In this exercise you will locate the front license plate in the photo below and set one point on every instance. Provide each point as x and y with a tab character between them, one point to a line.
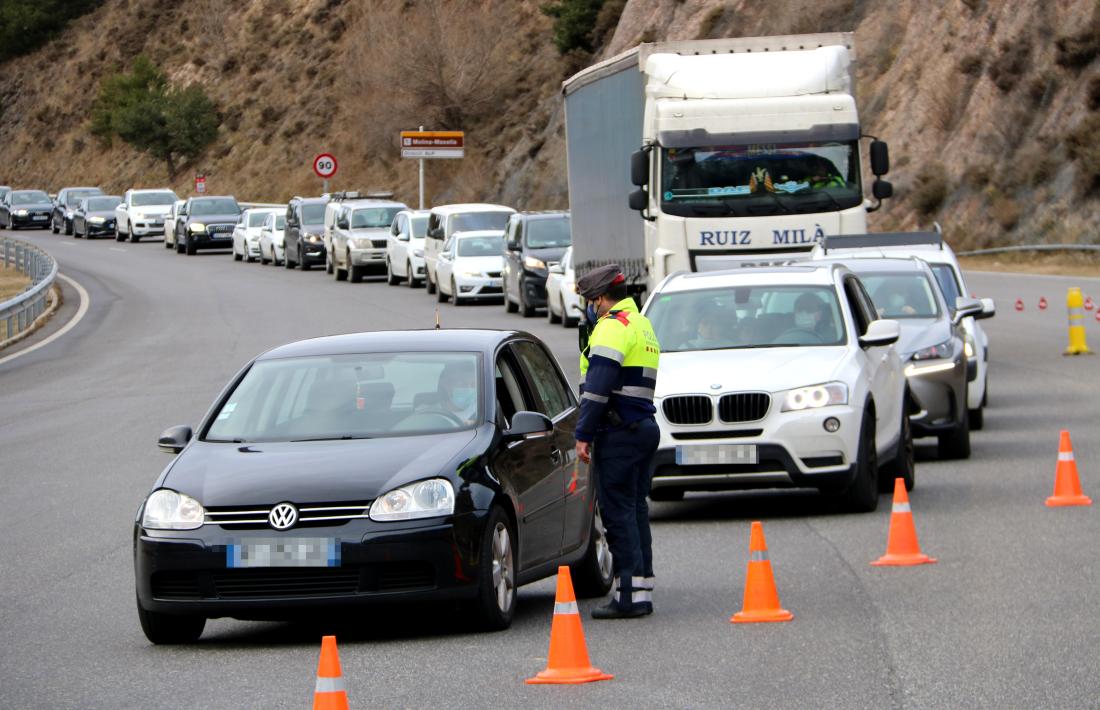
284	552
40	217
494	283
710	454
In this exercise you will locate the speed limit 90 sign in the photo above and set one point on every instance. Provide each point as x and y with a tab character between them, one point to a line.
324	165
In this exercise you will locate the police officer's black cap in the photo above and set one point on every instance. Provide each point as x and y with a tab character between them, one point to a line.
598	281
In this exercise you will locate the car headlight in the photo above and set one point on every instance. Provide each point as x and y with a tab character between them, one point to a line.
418	253
166	509
21	213
424	499
533	263
197	227
97	220
471	274
938	351
969	348
362	243
815	397
313	238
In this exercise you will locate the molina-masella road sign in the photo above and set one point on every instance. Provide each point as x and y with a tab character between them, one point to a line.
432	144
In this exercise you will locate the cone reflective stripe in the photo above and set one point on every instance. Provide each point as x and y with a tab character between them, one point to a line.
1077	343
761	602
1042	303
329	693
1019	304
568	661
902	548
1067	485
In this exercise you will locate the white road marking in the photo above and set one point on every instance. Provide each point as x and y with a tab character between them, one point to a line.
115	249
85	300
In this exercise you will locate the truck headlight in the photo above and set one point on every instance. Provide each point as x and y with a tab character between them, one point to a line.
815	397
424	499
166	509
533	263
197	227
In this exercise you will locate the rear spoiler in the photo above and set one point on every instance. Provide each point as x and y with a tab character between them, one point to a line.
881	239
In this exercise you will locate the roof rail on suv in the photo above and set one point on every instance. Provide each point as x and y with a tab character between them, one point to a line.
881	239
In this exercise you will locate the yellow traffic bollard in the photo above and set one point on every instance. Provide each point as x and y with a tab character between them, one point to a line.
1075	304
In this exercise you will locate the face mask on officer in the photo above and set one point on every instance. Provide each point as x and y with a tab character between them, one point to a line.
591	313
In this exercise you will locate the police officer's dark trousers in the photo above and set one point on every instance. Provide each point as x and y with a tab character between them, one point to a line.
623	460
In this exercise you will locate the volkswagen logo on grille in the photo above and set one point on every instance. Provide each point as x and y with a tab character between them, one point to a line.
283	516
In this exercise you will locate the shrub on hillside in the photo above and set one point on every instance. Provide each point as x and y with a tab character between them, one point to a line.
27	24
1010	64
574	21
1083	147
141	109
1078	50
930	189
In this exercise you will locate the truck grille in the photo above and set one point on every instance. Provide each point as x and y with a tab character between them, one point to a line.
743	406
310	515
688	409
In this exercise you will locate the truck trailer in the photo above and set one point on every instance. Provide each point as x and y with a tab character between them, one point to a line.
706	154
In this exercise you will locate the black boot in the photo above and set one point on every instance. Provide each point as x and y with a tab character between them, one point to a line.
611	610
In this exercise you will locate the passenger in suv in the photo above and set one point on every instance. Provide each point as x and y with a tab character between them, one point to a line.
304	242
533	242
206	223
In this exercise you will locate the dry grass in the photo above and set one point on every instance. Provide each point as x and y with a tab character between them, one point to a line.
12	282
1060	264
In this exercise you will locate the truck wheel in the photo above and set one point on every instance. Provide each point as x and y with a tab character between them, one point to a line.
956	443
861	495
496	575
903	465
170	628
593	574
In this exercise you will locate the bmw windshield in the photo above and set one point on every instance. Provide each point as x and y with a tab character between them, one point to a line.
747	317
359	396
749	180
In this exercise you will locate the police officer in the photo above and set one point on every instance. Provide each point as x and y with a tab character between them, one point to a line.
617	432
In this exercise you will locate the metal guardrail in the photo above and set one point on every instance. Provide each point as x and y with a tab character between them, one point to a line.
19	313
1032	247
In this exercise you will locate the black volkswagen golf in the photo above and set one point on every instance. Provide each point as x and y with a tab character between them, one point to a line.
414	466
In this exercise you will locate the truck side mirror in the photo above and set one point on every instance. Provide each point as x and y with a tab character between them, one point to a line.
639	168
882	189
880	157
639	200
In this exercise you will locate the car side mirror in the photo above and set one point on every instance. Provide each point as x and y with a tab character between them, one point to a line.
967	307
638	200
989	309
880	157
556	269
639	168
529	425
342	224
880	332
174	439
513	246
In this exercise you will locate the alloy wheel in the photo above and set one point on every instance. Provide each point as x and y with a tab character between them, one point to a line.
503	572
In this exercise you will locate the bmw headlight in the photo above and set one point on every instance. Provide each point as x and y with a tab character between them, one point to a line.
424	499
419	253
815	397
20	213
97	220
938	351
197	227
166	509
533	263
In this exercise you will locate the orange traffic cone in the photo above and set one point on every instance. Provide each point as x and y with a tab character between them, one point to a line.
761	599
330	693
1067	487
902	548
568	661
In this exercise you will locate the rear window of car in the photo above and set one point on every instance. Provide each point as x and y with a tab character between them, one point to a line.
150	199
371	395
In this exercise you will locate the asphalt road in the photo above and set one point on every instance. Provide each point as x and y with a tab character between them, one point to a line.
1009	617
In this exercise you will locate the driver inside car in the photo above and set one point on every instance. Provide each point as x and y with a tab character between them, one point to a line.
457	393
811	315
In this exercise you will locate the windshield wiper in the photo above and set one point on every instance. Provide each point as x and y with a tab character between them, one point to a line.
345	437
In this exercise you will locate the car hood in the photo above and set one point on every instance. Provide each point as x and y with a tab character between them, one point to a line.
160	210
917	333
213	218
100	213
369	233
547	254
310	472
755	369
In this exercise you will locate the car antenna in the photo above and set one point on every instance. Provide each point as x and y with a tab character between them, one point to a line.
437	317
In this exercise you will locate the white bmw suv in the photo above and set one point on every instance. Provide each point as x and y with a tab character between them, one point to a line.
778	377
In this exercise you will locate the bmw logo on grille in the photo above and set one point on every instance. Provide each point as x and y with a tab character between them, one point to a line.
716	386
283	516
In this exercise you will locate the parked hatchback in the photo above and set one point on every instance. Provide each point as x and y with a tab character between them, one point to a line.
533	242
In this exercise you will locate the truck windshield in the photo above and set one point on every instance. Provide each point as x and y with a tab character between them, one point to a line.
753	180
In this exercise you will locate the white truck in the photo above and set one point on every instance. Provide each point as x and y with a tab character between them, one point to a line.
732	150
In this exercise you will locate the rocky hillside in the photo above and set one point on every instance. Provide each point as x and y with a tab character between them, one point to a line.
991	107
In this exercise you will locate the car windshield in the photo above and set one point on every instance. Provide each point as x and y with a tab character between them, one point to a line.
898	295
256	219
101	204
480	246
751	180
29	197
474	221
419	226
148	199
547	233
217	205
747	317
949	285
370	395
373	217
73	197
313	214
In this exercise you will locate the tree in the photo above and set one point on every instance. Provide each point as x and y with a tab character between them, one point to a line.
140	108
574	21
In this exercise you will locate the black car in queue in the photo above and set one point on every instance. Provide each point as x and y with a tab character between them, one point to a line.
206	223
304	236
95	216
25	208
66	202
533	242
424	466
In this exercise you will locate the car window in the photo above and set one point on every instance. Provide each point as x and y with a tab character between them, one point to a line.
509	393
102	203
480	246
476	221
747	317
902	295
548	233
72	199
149	199
256	219
280	222
29	197
418	225
945	276
862	313
552	395
372	395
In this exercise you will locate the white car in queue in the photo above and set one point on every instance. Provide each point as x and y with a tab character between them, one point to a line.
563	305
405	248
246	233
777	377
272	234
930	247
469	267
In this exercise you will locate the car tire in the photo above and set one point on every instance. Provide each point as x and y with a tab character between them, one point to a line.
302	265
903	464
593	574
130	232
338	273
53	226
355	273
179	246
440	297
68	225
164	629
496	575
264	261
956	443
666	495
236	256
429	283
328	263
454	294
188	246
525	310
553	318
119	235
392	279
410	281
76	234
509	307
861	494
